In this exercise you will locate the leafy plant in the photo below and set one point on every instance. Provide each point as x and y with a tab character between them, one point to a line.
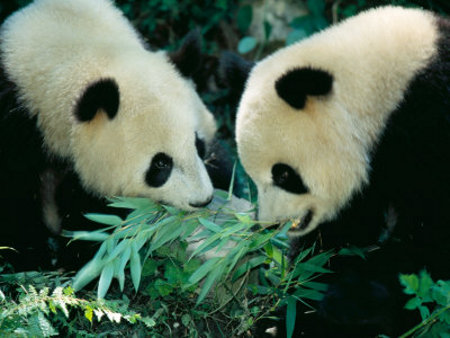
180	255
37	313
433	302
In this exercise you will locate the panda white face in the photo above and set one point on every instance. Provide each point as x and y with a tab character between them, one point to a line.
290	154
312	113
136	137
126	117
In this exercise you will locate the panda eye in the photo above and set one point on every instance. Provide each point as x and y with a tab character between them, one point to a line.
286	178
200	145
159	171
163	163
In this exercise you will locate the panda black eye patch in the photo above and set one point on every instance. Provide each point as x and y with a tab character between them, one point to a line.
159	171
286	178
200	145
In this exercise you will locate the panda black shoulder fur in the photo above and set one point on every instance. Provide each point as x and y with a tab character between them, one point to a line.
88	111
349	132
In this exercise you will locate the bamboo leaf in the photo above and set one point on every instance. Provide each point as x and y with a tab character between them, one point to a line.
104	219
201	272
210	280
105	280
250	264
209	225
135	267
291	314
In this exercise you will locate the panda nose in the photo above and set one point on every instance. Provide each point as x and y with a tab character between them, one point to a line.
201	204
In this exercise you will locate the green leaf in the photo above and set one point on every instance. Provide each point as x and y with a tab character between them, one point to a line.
105	280
244	18
132	203
308	294
233	176
203	270
424	312
210	280
316	286
440	292
89	313
250	264
150	267
425	285
291	314
104	219
267	30
95	236
209	225
247	44
186	320
163	288
353	251
90	271
410	282
135	267
413	303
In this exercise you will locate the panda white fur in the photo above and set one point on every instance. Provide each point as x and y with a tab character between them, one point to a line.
83	101
349	133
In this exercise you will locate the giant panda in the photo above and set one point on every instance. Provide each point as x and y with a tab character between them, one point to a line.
348	134
88	110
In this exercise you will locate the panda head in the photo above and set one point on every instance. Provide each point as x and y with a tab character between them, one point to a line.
140	130
305	165
311	114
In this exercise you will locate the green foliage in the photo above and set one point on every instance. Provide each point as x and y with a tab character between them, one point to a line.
39	313
165	22
432	300
210	264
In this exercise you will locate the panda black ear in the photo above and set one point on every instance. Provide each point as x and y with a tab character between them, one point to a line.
234	71
102	94
294	86
188	58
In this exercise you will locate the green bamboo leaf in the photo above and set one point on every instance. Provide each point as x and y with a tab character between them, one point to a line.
105	280
209	225
104	218
244	17
201	272
95	236
227	231
291	314
267	29
119	249
303	293
209	282
237	253
233	176
207	245
132	203
135	267
250	264
166	234
261	240
316	286
90	271
247	44
188	228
